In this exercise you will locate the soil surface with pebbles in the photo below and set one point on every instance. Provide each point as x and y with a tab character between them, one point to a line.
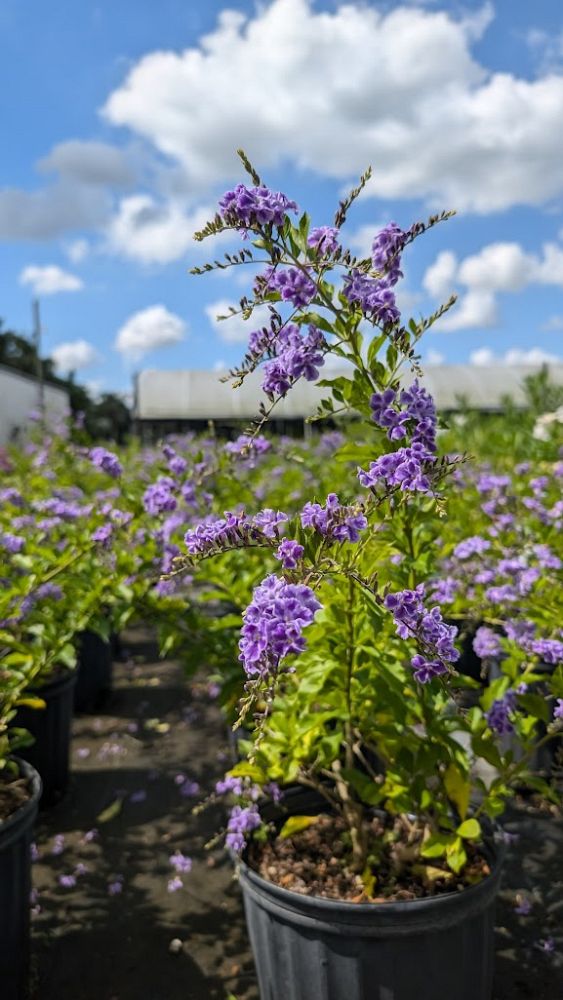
113	919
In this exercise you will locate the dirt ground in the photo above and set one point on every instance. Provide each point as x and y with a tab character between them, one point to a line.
108	936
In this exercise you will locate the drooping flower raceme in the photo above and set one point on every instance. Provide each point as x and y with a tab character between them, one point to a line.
486	643
405	468
256	206
241	822
324	239
411	412
336	522
273	625
106	461
293	285
295	356
499	716
233	531
414	621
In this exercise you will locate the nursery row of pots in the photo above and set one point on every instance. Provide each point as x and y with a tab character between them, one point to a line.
43	770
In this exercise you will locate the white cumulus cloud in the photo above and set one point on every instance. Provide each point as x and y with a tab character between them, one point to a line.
286	80
485	356
497	267
49	280
74	355
477	308
149	329
152	231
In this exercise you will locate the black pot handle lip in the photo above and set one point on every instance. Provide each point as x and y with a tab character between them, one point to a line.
10	829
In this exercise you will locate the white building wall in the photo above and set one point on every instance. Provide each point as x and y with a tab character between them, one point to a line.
19	396
200	395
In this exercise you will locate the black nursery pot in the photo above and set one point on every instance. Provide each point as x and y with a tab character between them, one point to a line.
94	672
15	886
422	949
50	727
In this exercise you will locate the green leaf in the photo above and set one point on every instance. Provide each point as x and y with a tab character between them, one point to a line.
110	812
456	855
30	702
470	829
458	789
535	705
435	845
295	824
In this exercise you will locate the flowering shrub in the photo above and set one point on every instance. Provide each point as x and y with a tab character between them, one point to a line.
347	646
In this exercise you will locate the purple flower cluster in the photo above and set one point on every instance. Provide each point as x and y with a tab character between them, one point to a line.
486	643
374	297
334	521
414	621
386	250
242	821
558	710
233	531
324	239
176	463
247	446
106	461
294	357
471	547
499	716
257	206
416	415
289	553
11	543
273	624
405	468
292	284
158	497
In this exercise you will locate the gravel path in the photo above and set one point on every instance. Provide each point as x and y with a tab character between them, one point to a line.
109	935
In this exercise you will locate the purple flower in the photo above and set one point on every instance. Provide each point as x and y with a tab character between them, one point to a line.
416	415
174	884
180	863
115	887
486	643
523	906
549	650
228	785
295	357
414	621
385	252
67	881
289	553
269	520
158	496
103	534
292	284
558	710
546	944
12	543
58	844
499	715
34	852
405	468
257	206
475	545
241	822
106	461
324	239
273	625
333	521
375	299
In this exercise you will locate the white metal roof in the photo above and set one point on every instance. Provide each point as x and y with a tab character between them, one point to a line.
200	395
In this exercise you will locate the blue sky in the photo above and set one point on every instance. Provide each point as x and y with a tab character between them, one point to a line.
120	123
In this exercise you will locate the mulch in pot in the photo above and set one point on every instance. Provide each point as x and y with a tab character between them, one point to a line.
315	862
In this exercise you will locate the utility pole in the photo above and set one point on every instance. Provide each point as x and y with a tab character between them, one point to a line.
39	362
